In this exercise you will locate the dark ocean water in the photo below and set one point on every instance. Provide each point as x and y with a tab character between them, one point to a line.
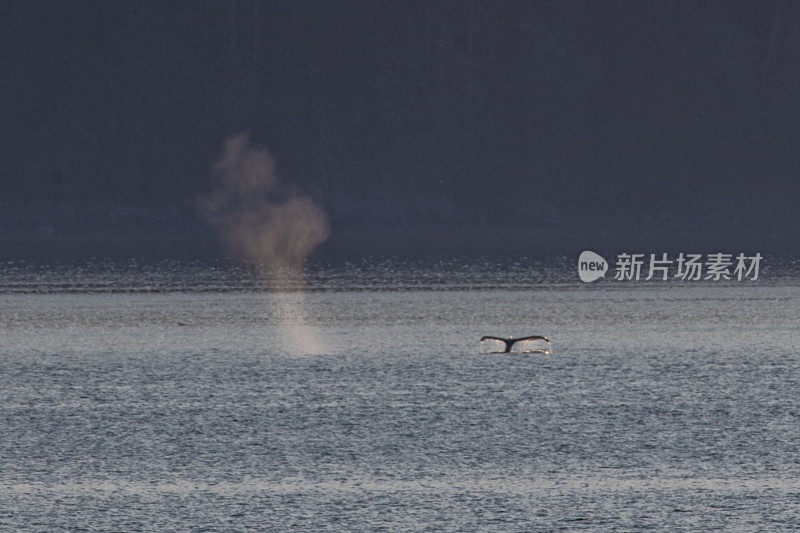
190	397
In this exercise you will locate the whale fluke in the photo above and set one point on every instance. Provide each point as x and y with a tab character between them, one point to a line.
510	341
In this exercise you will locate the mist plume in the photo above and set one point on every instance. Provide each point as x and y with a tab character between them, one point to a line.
270	226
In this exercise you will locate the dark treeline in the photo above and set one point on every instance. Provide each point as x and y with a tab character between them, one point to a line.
457	111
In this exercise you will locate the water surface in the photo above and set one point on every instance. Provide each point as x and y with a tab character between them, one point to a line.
174	396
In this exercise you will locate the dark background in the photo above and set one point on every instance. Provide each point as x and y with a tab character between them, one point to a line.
420	127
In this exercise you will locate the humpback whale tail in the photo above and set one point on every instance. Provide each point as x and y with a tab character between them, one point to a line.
529	344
